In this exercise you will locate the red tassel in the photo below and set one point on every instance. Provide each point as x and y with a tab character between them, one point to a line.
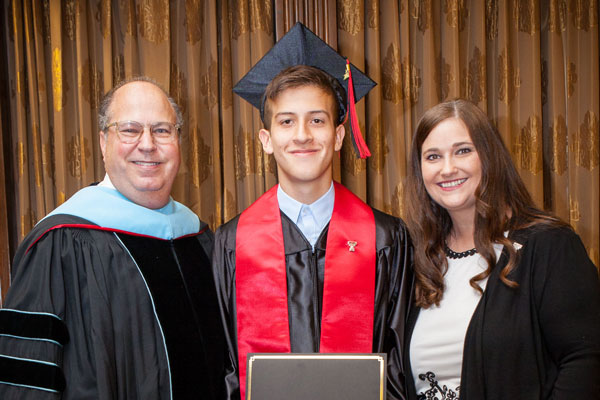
357	137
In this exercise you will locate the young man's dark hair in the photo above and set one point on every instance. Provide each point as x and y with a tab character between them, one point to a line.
304	75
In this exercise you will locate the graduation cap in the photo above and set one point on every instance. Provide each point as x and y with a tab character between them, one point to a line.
300	46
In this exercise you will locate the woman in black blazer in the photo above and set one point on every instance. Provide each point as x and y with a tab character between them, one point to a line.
506	302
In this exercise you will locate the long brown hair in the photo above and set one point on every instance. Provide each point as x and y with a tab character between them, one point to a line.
502	203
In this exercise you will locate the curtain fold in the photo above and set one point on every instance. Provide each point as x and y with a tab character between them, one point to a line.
531	64
4	232
5	168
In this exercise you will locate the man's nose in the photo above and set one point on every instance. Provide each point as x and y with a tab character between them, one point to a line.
303	133
146	140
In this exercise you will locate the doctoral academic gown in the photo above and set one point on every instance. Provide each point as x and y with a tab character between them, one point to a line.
305	277
101	313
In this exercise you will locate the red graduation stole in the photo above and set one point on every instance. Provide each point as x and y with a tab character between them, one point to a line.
261	283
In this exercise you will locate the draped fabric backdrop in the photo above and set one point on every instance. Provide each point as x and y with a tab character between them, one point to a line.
533	65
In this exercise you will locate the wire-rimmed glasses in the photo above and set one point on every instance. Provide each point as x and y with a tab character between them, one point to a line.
131	131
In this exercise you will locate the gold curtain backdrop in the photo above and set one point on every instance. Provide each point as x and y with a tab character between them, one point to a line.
532	65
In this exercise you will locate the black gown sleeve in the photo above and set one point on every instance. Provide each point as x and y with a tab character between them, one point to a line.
45	328
223	265
392	295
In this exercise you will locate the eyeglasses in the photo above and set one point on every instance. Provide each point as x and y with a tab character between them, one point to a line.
131	131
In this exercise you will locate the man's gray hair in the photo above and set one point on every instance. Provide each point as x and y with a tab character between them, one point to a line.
103	117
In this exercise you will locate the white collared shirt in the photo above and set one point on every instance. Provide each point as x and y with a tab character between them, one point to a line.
106	182
311	219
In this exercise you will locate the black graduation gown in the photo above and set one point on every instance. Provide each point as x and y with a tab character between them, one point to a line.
95	314
305	272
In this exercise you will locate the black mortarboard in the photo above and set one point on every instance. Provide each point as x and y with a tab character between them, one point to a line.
300	46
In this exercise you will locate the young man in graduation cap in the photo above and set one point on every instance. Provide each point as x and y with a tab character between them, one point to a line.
309	267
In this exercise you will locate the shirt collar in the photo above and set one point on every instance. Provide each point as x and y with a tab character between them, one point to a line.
106	182
322	208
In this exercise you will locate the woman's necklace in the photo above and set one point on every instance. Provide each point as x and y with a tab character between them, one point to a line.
454	255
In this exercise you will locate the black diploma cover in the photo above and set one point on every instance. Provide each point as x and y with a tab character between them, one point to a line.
316	376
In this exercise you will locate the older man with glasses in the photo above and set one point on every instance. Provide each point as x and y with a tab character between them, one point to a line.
112	296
